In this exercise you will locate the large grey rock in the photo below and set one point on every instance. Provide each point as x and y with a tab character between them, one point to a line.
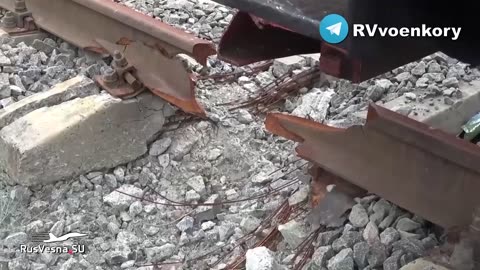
434	67
284	65
42	46
422	82
347	240
382	206
450	82
419	69
15	239
387	221
293	233
371	233
408	235
384	83
375	92
185	224
57	228
299	196
250	223
78	136
328	237
183	143
226	230
389	236
321	256
5	90
410	245
360	254
403	76
377	255
342	261
21	195
4	61
393	262
119	201
358	216
160	146
407	225
157	254
261	258
315	104
126	238
197	184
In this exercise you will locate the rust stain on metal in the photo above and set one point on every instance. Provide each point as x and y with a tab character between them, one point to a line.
123	29
426	171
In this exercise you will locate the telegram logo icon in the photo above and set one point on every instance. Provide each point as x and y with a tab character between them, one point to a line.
333	28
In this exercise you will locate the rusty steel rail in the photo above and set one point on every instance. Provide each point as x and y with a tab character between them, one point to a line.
423	170
149	46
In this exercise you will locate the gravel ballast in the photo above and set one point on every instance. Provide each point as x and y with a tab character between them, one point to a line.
227	158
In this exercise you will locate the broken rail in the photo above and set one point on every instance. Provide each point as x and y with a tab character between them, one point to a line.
426	171
145	50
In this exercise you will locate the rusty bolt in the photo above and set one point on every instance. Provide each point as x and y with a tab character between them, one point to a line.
9	20
20	6
119	59
132	81
110	76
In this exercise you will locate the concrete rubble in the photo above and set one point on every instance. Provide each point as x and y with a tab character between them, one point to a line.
293	233
261	258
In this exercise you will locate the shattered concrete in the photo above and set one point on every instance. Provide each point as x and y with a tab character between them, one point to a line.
315	105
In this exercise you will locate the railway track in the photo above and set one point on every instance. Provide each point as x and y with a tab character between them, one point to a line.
147	56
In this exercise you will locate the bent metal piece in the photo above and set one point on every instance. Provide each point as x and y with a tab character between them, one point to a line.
426	171
149	45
